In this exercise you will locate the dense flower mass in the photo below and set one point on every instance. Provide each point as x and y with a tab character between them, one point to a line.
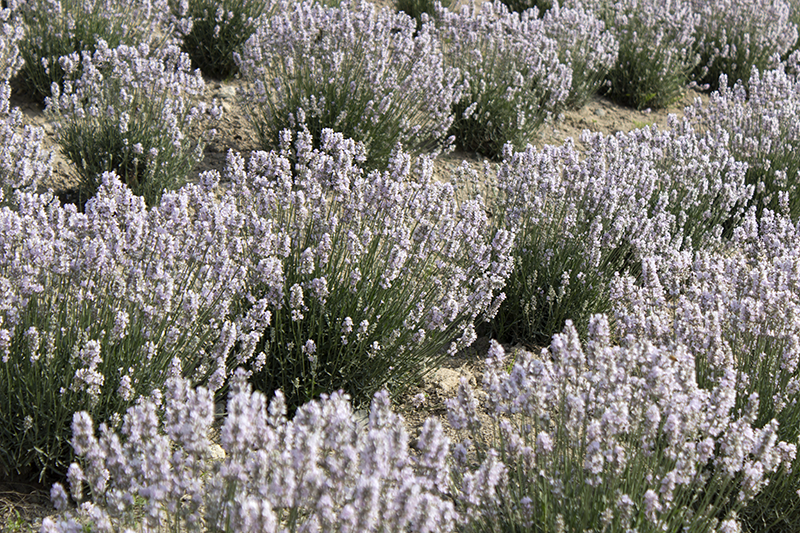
737	314
55	28
323	470
585	45
94	306
513	79
603	436
760	120
24	162
359	70
140	338
656	49
581	217
735	36
133	111
382	273
12	34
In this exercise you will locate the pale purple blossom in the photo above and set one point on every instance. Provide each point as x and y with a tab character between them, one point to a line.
150	101
319	467
356	69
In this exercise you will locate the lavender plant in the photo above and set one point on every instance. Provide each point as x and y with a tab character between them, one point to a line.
56	28
519	6
511	73
736	311
96	305
581	217
320	471
212	31
12	34
760	121
128	111
364	72
602	437
415	8
657	50
735	36
794	18
585	46
381	275
24	163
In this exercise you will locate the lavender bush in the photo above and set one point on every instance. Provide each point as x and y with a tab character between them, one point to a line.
56	28
657	50
760	121
320	471
519	6
511	72
581	217
585	46
24	163
602	437
735	36
12	34
364	72
736	311
212	31
415	8
380	275
96	305
794	18
132	112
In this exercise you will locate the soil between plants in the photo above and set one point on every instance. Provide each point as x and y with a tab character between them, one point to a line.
22	507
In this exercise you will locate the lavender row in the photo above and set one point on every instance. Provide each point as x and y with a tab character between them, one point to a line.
306	270
583	436
475	79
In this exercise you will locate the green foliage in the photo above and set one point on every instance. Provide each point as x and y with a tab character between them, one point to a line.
218	31
657	51
142	119
511	72
415	8
93	338
521	5
385	275
60	28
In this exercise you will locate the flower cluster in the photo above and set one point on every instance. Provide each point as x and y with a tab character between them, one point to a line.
606	437
735	36
382	274
737	311
760	120
585	45
55	28
212	31
134	112
511	72
523	5
415	8
581	217
656	49
12	34
94	306
24	162
323	470
363	72
308	271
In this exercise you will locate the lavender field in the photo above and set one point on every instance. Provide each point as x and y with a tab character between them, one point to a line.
250	246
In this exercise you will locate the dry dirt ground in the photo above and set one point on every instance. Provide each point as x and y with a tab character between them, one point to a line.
23	506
